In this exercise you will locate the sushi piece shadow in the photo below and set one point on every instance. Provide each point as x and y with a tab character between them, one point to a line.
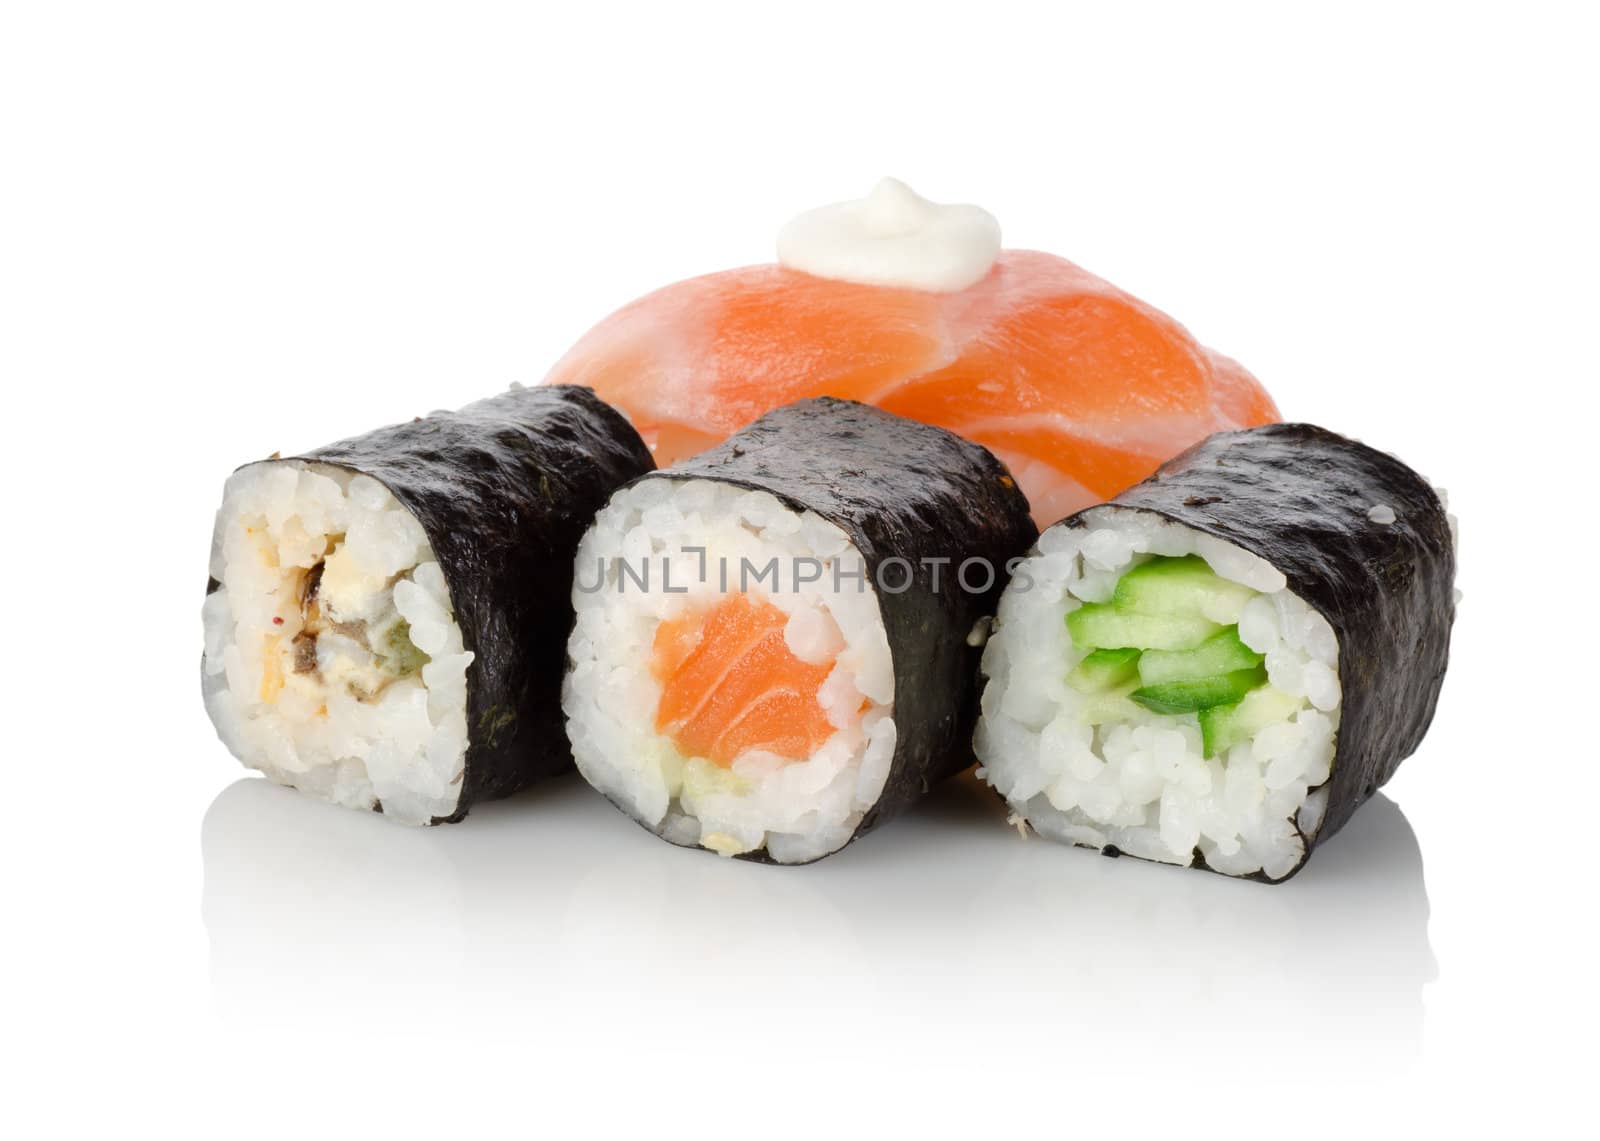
554	907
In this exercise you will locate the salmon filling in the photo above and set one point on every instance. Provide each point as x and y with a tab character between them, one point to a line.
730	683
733	713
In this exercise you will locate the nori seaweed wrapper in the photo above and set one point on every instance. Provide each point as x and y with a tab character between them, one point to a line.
504	489
906	490
1298	496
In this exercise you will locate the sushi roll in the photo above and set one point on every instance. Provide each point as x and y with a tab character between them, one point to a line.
386	617
1218	667
1081	389
776	641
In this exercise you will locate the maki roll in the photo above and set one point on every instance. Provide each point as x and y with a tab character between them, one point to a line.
1218	667
775	642
386	616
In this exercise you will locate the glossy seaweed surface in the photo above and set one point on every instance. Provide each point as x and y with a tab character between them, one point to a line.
900	490
505	488
1299	496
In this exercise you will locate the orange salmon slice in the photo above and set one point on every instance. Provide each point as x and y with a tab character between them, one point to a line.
730	683
1083	384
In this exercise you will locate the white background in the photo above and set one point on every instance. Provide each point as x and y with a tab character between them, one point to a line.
228	229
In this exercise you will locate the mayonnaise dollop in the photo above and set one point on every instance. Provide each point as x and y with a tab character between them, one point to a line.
893	237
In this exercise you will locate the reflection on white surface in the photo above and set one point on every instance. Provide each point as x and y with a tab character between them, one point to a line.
554	914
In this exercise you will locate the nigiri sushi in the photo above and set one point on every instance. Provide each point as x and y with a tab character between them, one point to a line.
1081	389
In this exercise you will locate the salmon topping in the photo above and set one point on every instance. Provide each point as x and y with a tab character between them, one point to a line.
1085	387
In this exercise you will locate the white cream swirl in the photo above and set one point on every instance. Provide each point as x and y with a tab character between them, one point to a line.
893	237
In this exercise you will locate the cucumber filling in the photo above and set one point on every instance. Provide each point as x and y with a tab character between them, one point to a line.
1103	670
1168	642
1160	693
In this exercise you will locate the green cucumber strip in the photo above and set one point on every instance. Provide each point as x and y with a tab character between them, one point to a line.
1179	588
1104	669
1219	654
1200	693
1110	707
1100	626
1224	726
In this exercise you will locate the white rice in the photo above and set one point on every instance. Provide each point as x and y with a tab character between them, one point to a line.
1143	784
361	727
797	810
